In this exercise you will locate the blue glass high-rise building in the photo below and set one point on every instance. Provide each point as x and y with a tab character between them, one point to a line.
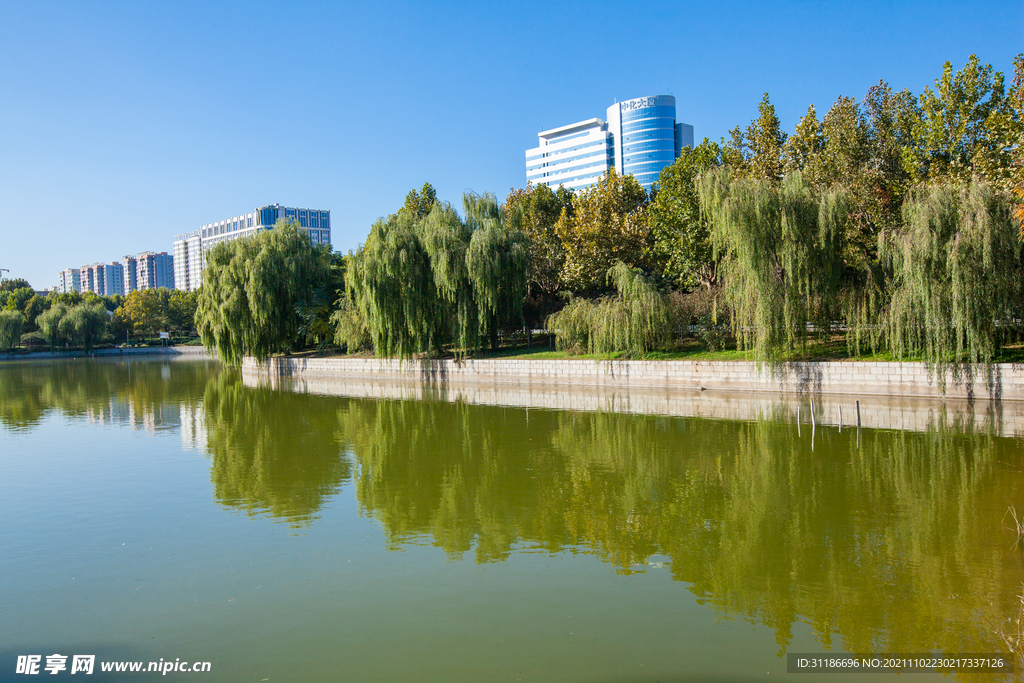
640	137
647	137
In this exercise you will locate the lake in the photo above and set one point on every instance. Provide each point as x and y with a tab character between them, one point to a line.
174	512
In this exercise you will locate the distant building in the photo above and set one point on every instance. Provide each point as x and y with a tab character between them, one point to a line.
188	261
154	270
91	278
69	280
640	137
131	273
576	155
113	279
105	279
190	248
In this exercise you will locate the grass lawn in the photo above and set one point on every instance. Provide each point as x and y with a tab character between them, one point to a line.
833	349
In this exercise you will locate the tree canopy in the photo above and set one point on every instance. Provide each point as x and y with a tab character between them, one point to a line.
421	282
252	289
609	223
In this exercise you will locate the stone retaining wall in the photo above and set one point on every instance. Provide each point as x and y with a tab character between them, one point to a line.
1001	381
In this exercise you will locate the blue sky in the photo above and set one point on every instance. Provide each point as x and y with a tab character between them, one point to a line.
123	124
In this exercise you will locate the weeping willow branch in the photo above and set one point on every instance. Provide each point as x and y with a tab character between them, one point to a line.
423	282
780	250
957	287
636	320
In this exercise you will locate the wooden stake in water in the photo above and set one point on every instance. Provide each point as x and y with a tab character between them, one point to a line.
812	414
858	413
840	417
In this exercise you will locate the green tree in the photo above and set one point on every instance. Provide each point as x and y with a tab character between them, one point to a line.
17	299
67	298
1017	169
391	282
957	274
764	140
535	212
609	224
85	325
10	329
13	284
496	263
634	320
446	238
418	284
804	146
33	308
181	309
143	309
49	323
681	233
317	328
780	250
252	288
418	205
957	134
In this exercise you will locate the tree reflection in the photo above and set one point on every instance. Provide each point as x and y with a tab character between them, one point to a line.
146	392
896	544
272	452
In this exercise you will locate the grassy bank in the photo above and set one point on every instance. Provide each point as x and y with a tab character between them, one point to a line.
830	350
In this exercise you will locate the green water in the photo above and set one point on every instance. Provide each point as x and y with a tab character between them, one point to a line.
164	510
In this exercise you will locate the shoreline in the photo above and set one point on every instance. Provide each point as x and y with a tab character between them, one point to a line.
840	411
193	352
996	382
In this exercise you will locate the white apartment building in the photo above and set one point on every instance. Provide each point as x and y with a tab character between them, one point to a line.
105	279
148	270
190	248
154	270
69	280
188	261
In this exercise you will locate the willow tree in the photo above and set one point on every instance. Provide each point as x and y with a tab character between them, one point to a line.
252	291
635	320
496	263
11	323
447	238
391	282
85	324
421	282
958	285
780	249
49	324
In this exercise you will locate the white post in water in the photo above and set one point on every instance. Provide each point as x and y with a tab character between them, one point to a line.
812	415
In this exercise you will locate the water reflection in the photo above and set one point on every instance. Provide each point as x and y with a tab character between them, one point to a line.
147	394
893	541
272	452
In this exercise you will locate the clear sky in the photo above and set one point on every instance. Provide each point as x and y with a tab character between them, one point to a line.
124	124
